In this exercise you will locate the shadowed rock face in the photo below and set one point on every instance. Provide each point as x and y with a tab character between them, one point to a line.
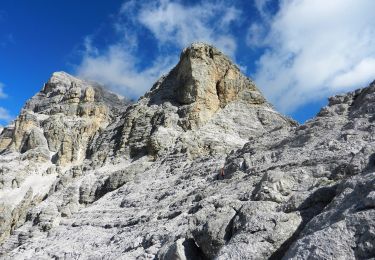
83	175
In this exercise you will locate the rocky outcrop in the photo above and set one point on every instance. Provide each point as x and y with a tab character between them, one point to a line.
203	82
55	128
201	167
6	137
62	119
189	108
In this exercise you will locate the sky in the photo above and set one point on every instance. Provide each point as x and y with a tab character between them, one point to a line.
299	52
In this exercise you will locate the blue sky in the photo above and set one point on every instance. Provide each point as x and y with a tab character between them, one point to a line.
299	52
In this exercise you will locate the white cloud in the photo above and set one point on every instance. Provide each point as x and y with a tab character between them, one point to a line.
262	7
117	68
257	32
255	35
2	94
362	72
174	23
315	49
4	114
121	65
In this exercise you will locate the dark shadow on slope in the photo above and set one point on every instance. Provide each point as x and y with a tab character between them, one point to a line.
229	229
113	182
371	164
188	251
311	207
192	251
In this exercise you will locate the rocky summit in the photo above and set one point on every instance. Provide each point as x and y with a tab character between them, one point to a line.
201	167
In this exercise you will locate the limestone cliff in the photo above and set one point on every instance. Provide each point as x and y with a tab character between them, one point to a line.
52	131
204	106
86	176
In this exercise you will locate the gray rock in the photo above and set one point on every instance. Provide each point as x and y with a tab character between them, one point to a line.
201	167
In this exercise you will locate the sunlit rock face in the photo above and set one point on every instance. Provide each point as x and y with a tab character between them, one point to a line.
204	81
201	167
62	119
203	106
53	131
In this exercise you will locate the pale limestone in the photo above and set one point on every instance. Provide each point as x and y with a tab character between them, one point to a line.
96	179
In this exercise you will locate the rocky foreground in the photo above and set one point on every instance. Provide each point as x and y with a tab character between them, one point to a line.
84	174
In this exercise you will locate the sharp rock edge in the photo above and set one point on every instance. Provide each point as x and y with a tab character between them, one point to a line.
84	174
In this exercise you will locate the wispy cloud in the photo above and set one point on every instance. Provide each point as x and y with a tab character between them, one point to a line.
258	29
116	67
256	34
5	116
308	49
173	23
315	49
263	8
170	25
2	93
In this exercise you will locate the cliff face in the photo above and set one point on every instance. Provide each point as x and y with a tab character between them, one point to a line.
203	106
60	120
52	132
86	175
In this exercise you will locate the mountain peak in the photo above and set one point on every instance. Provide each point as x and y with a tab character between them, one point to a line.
201	50
60	76
61	119
61	82
201	167
204	105
204	81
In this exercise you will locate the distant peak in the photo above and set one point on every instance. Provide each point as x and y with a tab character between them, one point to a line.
202	50
61	76
200	46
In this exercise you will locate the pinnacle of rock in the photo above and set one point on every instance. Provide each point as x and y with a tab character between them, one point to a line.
204	94
208	78
204	81
201	167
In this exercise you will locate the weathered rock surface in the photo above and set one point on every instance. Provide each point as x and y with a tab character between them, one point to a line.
203	106
89	177
53	131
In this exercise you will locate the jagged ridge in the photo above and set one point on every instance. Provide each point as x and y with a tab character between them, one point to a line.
149	183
